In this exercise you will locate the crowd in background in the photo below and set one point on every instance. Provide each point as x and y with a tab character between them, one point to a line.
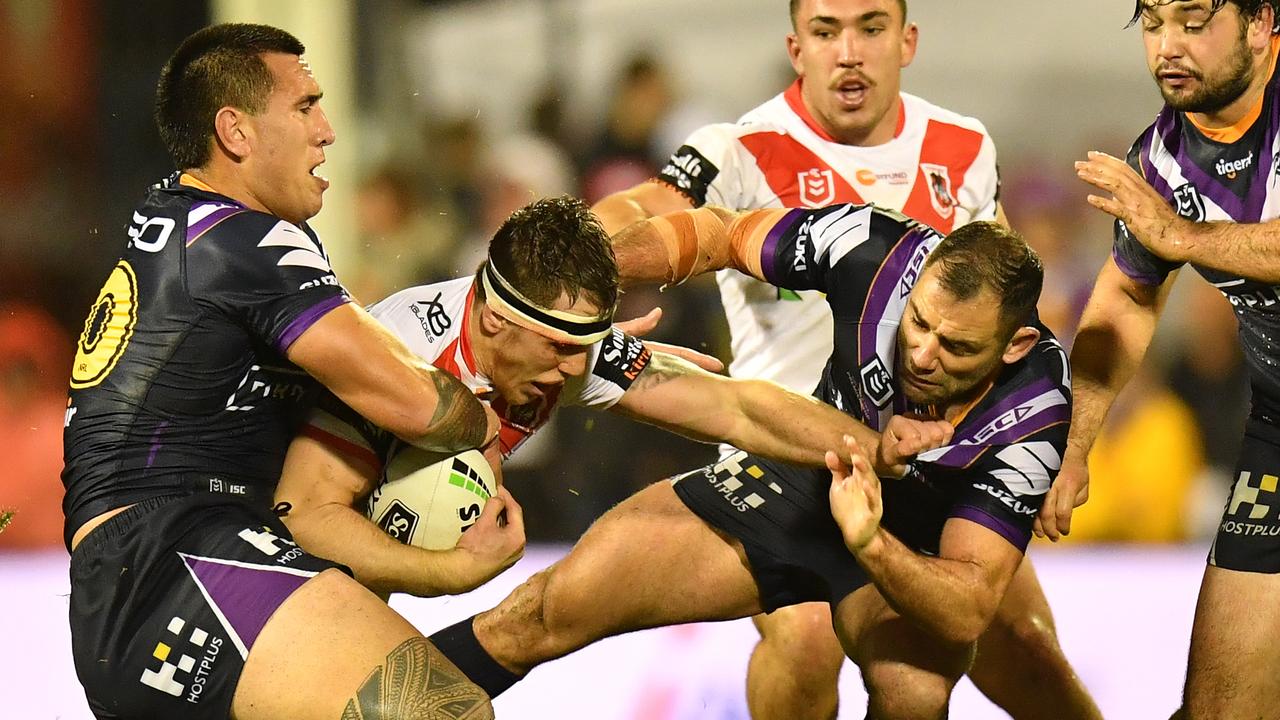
1159	472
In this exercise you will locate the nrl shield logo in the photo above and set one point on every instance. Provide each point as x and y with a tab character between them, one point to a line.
876	382
1188	203
817	188
939	179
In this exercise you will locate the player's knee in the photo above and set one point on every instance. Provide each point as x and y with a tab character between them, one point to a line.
894	694
1031	636
806	639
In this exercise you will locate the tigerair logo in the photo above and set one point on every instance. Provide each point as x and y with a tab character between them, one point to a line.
1229	168
195	675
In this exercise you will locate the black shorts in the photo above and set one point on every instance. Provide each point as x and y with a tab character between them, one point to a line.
168	597
1249	537
782	516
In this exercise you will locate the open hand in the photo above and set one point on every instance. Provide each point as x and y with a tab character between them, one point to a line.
1147	215
645	324
855	495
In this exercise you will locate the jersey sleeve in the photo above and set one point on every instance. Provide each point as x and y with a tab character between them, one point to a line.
334	424
1131	256
615	364
708	168
266	274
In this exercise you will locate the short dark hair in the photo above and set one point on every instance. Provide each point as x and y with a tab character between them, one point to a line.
556	246
1248	9
216	67
795	11
988	254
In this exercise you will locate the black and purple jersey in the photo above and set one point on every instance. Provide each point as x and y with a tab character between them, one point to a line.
1233	177
180	380
1006	449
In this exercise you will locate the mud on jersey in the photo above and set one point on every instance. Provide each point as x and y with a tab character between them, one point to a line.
940	169
1204	179
180	378
433	320
1005	450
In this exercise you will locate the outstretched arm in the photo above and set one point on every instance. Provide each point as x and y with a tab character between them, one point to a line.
764	418
322	487
640	202
1250	250
673	248
1115	330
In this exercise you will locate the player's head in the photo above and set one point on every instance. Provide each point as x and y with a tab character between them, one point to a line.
1204	54
242	96
549	287
849	55
969	314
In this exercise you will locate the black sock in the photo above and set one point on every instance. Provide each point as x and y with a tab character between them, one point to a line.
458	643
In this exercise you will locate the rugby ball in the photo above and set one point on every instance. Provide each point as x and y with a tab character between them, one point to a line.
428	502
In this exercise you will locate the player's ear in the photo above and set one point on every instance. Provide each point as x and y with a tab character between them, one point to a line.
793	53
491	322
1024	338
910	38
232	131
1259	28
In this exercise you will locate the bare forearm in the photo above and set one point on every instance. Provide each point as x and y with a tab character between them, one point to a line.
1250	250
458	420
1113	337
950	598
380	563
642	256
792	428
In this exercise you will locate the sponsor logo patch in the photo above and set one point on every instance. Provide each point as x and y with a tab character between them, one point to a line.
180	674
432	317
691	173
622	359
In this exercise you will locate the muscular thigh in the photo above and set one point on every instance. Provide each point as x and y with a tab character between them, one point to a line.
335	650
1235	646
649	562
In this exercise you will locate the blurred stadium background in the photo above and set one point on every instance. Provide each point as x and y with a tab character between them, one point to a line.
451	114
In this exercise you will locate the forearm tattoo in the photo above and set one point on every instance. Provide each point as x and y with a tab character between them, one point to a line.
662	368
459	421
418	683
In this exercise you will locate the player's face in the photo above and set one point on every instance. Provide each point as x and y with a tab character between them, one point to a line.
529	366
289	138
947	348
1201	60
850	54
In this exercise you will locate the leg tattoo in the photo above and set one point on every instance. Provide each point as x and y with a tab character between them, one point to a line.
418	683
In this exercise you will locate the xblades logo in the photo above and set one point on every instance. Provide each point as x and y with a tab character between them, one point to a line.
432	317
